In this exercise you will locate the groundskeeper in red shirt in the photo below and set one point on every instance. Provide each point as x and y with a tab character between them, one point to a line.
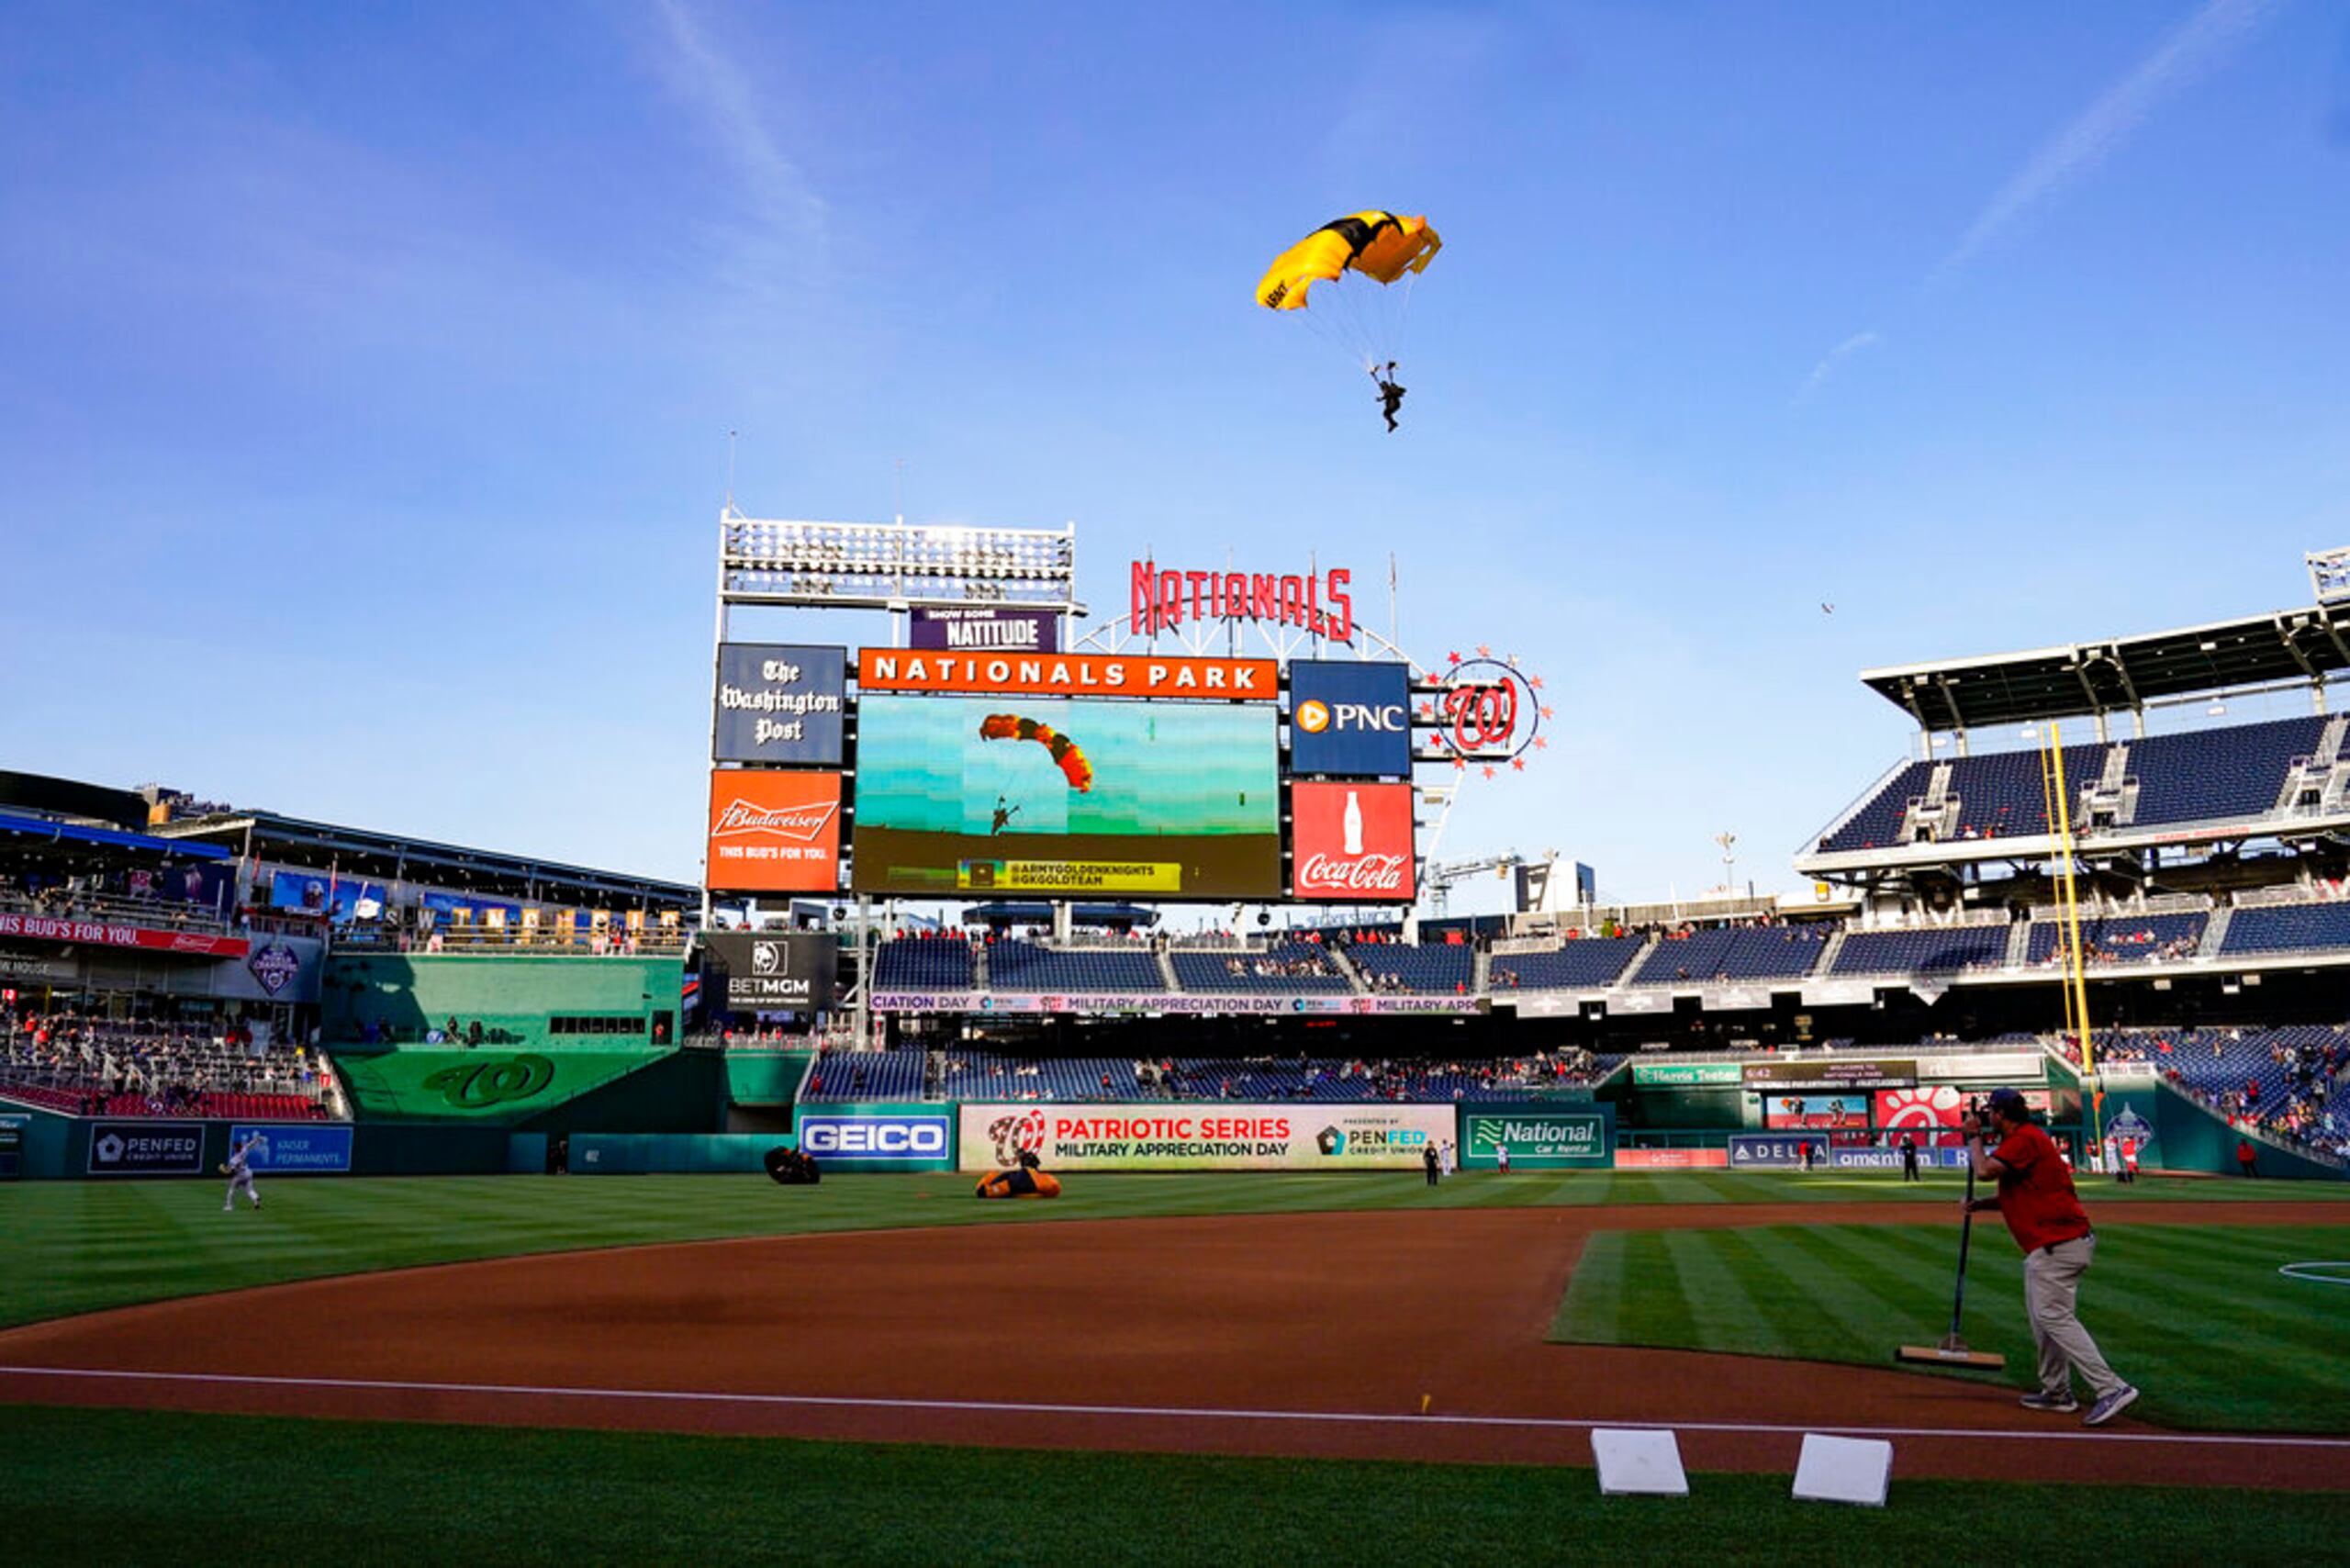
2044	1213
2036	1195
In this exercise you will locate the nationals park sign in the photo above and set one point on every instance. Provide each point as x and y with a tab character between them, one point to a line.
1215	1136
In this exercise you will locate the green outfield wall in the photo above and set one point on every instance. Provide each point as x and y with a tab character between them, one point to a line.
675	1091
673	1154
539	1002
765	1077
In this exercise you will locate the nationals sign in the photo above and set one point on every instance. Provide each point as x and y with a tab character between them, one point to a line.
774	832
1352	843
1318	603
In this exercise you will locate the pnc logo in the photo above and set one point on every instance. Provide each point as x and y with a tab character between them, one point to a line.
479	1086
1313	717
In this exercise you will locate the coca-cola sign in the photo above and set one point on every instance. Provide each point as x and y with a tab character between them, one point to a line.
1352	843
774	832
1365	875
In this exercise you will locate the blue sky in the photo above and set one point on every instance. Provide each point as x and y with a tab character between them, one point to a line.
365	373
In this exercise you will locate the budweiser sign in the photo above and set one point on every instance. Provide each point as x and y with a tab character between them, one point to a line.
801	822
1352	843
774	832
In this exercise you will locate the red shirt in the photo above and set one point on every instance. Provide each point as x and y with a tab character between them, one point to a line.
2036	1196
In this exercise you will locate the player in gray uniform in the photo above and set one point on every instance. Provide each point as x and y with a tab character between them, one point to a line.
241	1172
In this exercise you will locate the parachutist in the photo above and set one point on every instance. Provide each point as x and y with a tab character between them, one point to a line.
1391	393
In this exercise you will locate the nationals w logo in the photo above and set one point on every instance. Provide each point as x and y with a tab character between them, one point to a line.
482	1086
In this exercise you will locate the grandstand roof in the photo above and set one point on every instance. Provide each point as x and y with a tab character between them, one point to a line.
2117	675
361	852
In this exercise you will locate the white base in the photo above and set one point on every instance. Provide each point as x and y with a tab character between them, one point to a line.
1643	1464
1844	1470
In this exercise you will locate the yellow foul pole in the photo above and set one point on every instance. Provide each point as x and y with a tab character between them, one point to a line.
2076	983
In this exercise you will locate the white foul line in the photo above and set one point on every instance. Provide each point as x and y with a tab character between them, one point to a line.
1159	1412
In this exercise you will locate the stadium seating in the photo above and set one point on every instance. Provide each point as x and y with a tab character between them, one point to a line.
2281	1079
1027	967
2283	928
1735	953
867	1075
2123	939
923	963
978	1075
1587	964
1999	795
1297	968
2213	775
2206	775
1442	970
1939	951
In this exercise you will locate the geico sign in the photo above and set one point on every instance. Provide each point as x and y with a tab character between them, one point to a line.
878	1138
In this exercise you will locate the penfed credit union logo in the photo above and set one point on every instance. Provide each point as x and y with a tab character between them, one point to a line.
740	818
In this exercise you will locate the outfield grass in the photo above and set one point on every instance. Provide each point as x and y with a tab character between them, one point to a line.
134	1487
81	1246
2196	1316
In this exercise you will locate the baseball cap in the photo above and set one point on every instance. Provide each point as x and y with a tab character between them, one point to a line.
2007	1102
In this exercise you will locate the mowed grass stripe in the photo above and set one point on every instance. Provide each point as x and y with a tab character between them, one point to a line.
75	1247
2208	1331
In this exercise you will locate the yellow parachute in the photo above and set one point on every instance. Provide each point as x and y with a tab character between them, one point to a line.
1380	245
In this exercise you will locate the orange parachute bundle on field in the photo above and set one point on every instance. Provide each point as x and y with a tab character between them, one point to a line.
1066	753
1020	1181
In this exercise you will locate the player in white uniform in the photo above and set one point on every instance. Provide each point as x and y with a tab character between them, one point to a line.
241	1172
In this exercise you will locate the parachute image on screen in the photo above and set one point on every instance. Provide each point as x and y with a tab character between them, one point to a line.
1066	797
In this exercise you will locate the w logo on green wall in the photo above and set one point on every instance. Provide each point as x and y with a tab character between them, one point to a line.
479	1086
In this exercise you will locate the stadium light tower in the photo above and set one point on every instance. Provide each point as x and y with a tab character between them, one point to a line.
2329	573
894	565
1728	841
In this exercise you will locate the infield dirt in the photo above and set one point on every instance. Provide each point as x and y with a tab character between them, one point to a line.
1308	1334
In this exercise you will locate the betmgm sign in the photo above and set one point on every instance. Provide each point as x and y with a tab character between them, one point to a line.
776	971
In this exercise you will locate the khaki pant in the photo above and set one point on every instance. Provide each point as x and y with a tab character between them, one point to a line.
2051	1284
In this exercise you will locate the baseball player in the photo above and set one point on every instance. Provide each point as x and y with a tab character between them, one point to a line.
240	1171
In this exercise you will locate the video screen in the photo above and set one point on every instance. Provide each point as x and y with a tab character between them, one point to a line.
1818	1112
1065	797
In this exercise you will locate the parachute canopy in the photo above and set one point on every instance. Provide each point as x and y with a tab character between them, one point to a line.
1380	245
1066	752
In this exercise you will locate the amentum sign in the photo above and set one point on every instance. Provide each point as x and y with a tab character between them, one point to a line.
855	1138
1349	720
779	703
1352	843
